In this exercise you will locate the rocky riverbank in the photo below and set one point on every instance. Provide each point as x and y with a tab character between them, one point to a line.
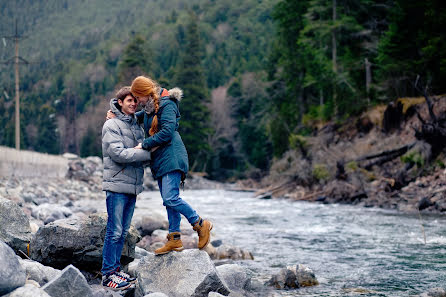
375	160
51	238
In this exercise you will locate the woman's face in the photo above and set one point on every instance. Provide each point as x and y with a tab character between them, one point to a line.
142	100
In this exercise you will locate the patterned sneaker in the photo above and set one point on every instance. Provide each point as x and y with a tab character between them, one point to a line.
125	277
114	282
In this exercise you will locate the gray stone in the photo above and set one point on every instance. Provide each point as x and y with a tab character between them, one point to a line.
15	230
51	212
157	294
235	277
434	292
100	291
12	274
304	275
28	290
147	224
69	283
225	251
189	273
139	252
38	272
293	277
77	241
214	294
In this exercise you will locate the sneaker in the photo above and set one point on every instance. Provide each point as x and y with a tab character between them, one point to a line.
203	228
114	282
125	277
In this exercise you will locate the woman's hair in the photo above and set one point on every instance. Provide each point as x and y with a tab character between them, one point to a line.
144	86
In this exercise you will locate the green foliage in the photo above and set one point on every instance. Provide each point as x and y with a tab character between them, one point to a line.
194	126
414	44
91	143
297	141
320	172
352	165
136	60
413	158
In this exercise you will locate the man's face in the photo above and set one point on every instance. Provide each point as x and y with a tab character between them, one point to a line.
142	100
128	105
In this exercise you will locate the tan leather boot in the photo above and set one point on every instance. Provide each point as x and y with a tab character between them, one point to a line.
203	228
173	244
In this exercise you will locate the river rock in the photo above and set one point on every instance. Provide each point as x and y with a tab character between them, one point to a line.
293	277
69	283
28	290
435	292
147	224
157	294
189	273
225	251
236	278
51	212
77	241
12	274
40	273
15	230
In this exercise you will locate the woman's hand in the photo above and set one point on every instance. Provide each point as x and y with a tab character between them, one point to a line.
110	115
139	146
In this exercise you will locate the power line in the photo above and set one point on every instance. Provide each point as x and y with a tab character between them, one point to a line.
16	60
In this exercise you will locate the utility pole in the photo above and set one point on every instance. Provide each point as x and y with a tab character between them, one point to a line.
16	60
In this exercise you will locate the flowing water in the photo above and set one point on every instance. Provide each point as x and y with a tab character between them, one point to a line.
353	251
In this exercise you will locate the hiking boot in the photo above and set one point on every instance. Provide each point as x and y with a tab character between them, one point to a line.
173	244
114	282
203	228
125	277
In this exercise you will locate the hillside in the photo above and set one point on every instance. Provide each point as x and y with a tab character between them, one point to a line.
368	161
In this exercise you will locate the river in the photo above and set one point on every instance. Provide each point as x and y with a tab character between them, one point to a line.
353	251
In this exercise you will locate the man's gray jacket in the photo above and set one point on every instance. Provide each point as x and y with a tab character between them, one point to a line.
123	164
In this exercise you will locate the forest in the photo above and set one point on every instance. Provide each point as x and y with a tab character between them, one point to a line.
257	74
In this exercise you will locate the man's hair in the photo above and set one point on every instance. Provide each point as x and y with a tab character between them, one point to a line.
124	92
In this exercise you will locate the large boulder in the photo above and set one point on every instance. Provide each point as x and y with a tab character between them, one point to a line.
189	273
235	278
37	272
15	230
77	241
69	283
28	290
12	275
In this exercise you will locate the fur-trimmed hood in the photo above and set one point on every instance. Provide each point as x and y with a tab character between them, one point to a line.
176	93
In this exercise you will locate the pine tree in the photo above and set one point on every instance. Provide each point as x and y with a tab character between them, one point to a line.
136	60
415	44
194	125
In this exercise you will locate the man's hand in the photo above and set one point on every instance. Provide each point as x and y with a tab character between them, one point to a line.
110	115
139	146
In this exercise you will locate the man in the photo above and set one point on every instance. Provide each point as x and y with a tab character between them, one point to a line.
122	181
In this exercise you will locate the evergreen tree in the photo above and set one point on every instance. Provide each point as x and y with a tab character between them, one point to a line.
414	44
136	60
194	125
48	135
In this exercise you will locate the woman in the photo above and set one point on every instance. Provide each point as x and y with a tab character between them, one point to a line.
169	163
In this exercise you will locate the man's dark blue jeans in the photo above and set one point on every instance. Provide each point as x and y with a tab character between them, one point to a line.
120	209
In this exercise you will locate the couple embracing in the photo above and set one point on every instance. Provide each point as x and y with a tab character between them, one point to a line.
125	148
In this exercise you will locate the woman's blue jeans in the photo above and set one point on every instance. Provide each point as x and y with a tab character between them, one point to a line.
120	209
169	185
